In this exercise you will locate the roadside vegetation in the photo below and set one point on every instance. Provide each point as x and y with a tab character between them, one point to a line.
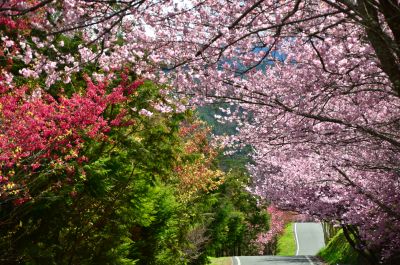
339	251
221	261
131	177
287	242
238	217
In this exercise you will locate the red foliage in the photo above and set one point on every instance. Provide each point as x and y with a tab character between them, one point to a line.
37	128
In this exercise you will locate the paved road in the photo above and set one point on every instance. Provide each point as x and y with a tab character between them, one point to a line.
309	240
274	260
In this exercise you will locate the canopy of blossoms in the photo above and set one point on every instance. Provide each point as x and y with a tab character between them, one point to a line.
318	82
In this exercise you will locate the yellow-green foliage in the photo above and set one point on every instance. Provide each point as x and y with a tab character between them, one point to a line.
339	251
287	242
221	261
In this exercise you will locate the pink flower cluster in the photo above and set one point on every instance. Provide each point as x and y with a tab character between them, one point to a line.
277	224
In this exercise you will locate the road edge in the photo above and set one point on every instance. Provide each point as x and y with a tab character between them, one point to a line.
297	239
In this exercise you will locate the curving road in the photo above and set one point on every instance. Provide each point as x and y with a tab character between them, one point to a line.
309	240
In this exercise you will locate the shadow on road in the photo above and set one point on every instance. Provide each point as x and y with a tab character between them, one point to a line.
287	260
274	260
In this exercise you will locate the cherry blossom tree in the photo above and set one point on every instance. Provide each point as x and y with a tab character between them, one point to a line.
318	83
267	241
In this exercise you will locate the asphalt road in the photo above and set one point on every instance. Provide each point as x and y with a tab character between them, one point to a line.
274	260
309	240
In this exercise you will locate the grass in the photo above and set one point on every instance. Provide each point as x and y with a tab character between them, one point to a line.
221	261
339	251
287	242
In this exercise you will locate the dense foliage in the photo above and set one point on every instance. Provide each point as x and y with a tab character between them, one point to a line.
238	218
106	168
146	192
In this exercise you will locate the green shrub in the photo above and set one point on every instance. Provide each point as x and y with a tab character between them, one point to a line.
339	251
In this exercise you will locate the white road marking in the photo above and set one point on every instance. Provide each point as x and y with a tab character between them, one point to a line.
238	260
311	262
298	246
297	239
